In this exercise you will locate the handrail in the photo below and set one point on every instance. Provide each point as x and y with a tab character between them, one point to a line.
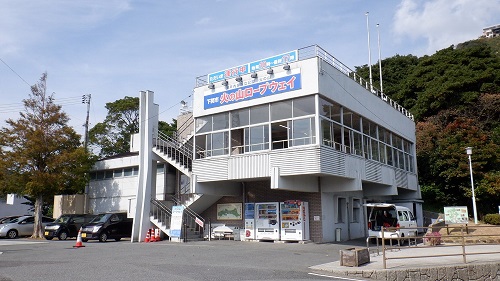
464	233
181	153
161	212
191	220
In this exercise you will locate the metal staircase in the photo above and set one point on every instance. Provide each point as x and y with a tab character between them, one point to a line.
193	224
179	155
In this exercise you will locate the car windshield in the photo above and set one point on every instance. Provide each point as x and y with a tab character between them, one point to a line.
13	220
8	220
101	218
63	219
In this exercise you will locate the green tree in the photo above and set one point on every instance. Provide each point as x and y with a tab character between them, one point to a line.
112	136
41	155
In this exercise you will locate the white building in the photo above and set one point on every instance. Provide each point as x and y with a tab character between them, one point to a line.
296	126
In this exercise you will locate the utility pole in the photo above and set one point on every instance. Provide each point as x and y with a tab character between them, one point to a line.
86	99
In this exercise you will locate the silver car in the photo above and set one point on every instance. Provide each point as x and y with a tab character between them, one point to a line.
21	226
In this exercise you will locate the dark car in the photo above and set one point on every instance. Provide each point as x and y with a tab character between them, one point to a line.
107	226
66	226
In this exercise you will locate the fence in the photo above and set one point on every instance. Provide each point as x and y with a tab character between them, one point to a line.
464	238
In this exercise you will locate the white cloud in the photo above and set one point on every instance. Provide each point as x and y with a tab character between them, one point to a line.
442	22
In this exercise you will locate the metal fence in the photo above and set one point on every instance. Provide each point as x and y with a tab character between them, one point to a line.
461	236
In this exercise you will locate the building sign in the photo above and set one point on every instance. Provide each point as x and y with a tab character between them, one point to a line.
253	91
176	221
273	61
456	215
253	66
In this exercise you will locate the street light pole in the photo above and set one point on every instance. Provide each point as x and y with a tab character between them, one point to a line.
469	152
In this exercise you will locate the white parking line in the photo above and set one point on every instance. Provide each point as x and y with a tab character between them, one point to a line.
19	242
336	277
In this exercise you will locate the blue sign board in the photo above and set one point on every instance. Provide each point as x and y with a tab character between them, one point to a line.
273	61
253	91
253	66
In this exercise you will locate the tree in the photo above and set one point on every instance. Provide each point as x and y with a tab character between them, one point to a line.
112	136
41	155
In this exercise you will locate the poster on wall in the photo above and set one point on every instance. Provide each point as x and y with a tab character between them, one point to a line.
456	214
229	211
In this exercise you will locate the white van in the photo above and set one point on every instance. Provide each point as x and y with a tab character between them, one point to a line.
390	215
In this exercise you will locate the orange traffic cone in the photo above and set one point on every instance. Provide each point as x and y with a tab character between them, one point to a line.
147	236
153	235
79	243
157	234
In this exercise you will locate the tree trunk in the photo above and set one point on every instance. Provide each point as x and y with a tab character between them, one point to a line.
38	227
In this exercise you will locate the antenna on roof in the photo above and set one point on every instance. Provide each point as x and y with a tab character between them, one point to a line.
379	60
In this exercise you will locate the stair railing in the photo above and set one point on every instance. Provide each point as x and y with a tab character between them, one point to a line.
170	146
161	212
191	219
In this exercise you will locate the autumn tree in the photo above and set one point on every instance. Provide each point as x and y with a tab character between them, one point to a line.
112	136
40	154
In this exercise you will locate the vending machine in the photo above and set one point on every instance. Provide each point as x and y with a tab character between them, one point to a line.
267	221
294	218
249	221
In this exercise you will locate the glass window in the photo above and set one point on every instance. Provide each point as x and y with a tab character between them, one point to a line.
258	138
382	152
204	124
356	122
375	155
108	174
93	175
303	131
356	210
390	157
135	171
347	115
127	172
303	106
259	114
341	207
220	121
358	144
220	143
373	130
325	108
100	175
337	136
326	132
118	173
160	168
201	146
240	117
280	133
281	110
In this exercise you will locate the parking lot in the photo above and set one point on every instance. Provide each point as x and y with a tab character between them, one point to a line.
27	259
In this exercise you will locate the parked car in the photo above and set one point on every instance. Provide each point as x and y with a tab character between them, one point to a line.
108	226
66	226
399	218
21	226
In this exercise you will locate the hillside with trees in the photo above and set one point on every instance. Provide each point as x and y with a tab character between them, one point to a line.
455	97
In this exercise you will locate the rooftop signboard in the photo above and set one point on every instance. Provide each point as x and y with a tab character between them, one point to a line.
253	66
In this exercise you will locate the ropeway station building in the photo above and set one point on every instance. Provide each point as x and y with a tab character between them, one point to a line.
298	128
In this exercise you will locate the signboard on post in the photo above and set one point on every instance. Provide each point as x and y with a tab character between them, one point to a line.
176	221
456	214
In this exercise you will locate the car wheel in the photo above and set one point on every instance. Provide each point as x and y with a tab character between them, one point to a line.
103	237
12	234
118	238
63	235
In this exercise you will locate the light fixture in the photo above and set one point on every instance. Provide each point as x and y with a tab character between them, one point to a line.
225	83
286	67
183	103
211	86
253	75
270	71
239	79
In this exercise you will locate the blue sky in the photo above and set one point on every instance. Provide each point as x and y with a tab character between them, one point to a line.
116	48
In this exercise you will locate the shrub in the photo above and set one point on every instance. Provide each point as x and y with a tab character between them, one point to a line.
492	219
433	238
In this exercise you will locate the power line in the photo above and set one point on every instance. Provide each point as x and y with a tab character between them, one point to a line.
15	72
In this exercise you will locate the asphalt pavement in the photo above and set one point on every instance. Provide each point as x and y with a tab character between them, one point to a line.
27	259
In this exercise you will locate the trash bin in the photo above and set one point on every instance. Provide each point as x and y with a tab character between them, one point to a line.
354	256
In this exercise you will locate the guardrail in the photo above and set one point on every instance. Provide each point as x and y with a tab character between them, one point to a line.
463	239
